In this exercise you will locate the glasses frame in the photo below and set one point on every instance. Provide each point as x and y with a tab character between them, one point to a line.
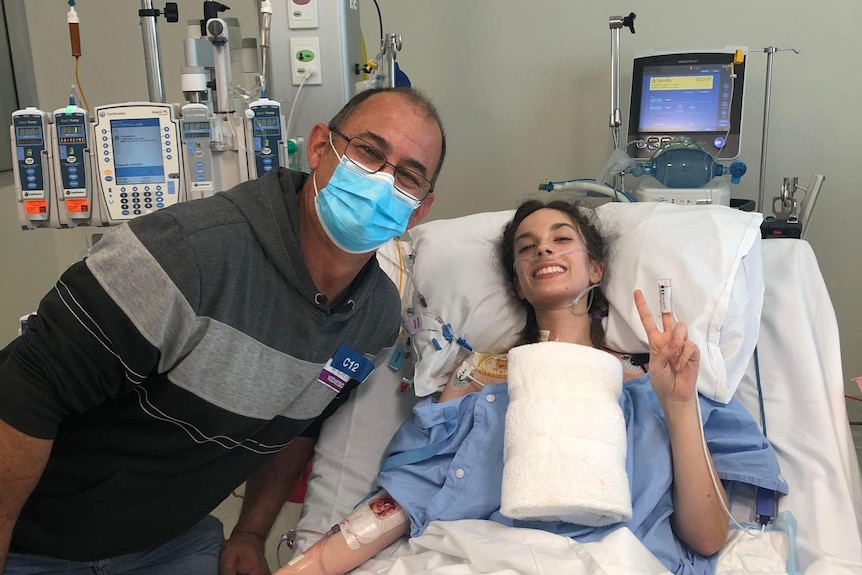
385	163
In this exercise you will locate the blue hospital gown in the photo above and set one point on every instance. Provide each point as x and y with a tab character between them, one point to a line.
446	463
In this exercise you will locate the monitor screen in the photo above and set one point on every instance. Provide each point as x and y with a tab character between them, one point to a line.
694	95
138	151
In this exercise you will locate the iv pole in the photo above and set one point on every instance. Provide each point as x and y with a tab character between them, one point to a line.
615	23
767	97
150	33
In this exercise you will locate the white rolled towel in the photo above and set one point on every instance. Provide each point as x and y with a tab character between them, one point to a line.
565	436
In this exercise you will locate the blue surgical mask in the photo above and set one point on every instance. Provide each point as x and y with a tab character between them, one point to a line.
360	211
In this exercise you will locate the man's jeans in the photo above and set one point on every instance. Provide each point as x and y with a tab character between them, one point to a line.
195	552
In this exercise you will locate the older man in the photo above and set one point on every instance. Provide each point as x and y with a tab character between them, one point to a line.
190	352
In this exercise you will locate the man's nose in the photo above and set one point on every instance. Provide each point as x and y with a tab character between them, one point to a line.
388	168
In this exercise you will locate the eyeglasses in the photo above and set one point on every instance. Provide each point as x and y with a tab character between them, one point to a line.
372	160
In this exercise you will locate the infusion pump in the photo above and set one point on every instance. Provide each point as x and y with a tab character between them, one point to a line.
137	157
131	159
31	169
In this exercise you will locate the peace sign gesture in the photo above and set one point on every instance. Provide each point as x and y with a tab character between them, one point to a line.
674	360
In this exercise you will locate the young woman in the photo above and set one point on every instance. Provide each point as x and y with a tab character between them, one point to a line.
446	462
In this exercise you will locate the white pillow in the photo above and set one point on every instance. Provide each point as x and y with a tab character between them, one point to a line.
712	255
456	272
700	248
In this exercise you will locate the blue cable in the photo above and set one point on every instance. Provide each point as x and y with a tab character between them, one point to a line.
759	391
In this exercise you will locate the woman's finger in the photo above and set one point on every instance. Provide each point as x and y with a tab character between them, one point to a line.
645	314
690	354
680	335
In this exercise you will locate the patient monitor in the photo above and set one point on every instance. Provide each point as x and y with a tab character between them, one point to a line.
689	99
697	95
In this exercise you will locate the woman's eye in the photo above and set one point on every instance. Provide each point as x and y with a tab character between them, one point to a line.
563	239
523	249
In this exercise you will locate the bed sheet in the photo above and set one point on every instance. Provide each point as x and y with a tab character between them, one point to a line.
805	412
805	417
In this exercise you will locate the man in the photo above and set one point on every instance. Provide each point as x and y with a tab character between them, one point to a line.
193	350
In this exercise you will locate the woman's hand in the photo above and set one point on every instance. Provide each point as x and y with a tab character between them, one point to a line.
699	518
674	360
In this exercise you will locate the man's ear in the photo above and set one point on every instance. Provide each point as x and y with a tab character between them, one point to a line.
419	213
318	143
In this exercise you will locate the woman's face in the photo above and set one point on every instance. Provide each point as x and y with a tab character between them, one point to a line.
551	264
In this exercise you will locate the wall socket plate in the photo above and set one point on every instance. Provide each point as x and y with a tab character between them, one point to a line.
302	14
304	59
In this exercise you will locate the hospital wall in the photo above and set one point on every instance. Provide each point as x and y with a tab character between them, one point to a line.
524	91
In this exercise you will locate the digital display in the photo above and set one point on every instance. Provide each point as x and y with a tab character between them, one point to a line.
196	126
29	132
695	95
70	130
138	151
263	122
685	98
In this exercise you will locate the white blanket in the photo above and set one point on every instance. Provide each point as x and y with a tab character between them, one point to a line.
475	546
471	547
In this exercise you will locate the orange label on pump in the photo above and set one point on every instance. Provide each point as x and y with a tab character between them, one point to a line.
78	206
36	206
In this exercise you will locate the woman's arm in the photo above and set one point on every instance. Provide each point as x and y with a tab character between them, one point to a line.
699	518
370	528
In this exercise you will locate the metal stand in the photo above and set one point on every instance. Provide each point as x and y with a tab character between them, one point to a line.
391	46
615	23
767	96
150	33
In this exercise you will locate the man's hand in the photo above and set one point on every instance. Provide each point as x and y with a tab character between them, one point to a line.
243	554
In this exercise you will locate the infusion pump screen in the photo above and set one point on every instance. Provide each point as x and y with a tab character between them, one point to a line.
138	151
686	98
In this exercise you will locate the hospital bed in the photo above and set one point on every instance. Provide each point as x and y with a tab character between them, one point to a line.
738	294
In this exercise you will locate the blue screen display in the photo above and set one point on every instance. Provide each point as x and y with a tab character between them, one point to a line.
686	98
138	151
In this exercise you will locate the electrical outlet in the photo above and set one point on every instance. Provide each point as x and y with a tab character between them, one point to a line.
305	60
302	14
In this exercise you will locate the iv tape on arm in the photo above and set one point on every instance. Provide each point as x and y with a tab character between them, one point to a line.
371	519
360	532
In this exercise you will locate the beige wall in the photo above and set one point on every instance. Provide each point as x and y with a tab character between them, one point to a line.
524	91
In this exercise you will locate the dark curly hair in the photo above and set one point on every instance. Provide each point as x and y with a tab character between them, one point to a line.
596	250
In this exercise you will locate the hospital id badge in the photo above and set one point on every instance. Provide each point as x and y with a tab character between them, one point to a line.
345	365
